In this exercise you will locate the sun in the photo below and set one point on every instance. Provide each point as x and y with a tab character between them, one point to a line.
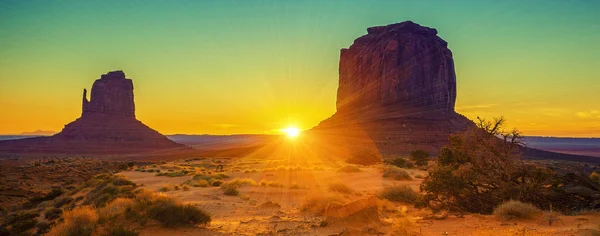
291	132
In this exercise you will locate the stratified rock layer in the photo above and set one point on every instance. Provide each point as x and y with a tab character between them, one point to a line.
107	126
404	65
397	91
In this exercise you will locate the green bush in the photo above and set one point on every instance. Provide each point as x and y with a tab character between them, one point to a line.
516	210
402	193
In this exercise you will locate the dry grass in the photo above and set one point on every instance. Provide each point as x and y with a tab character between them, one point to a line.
239	182
340	188
117	207
165	188
516	210
401	193
80	221
404	226
318	204
349	169
396	173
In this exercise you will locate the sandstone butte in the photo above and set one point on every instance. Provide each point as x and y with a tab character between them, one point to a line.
397	91
107	126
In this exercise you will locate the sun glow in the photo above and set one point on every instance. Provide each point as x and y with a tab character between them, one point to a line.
291	132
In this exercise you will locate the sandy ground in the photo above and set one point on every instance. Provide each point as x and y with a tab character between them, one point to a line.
251	213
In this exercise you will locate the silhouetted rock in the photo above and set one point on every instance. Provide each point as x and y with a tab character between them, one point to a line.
397	91
111	94
107	126
404	65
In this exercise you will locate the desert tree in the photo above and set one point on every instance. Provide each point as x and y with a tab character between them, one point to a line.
481	168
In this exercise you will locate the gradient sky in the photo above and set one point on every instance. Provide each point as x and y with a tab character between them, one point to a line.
224	67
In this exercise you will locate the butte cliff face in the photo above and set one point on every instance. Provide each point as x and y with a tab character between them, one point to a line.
107	126
397	88
111	94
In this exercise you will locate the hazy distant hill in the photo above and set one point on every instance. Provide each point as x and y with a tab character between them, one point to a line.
577	146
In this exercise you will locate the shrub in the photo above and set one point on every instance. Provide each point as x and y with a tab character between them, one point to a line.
20	222
50	196
121	180
516	210
61	201
595	176
176	187
170	213
53	213
239	182
402	193
230	190
340	188
216	183
396	173
318	204
349	169
79	221
165	188
201	183
420	157
295	186
275	184
115	208
42	227
481	168
399	162
186	188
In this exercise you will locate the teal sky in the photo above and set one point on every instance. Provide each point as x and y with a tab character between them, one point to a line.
226	67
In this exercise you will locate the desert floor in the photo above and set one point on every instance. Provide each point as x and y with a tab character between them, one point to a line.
265	210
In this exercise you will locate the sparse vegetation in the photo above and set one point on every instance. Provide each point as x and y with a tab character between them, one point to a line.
396	173
516	210
482	168
165	188
170	213
80	221
595	176
349	169
420	157
318	204
401	193
53	213
340	188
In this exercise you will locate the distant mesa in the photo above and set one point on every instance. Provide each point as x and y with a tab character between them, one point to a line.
107	125
397	88
39	132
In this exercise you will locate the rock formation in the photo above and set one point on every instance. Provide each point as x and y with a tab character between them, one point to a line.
107	125
111	94
397	89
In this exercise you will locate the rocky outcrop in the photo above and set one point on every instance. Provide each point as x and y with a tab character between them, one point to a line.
397	89
404	65
111	94
107	126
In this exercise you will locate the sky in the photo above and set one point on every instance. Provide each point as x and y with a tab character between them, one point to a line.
228	67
